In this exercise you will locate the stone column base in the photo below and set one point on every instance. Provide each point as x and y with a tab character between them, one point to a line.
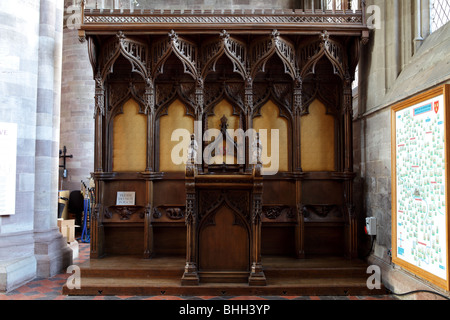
16	273
52	253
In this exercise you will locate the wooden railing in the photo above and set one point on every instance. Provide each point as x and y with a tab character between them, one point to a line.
306	13
314	5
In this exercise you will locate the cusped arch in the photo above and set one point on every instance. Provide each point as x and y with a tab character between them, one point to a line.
183	49
117	107
263	48
162	109
271	94
309	55
234	49
230	95
134	50
224	200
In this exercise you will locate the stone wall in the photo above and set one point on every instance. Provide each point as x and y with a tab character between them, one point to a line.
77	109
394	66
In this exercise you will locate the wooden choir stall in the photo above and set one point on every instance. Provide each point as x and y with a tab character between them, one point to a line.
235	138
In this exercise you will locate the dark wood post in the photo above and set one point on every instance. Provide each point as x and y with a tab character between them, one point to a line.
348	170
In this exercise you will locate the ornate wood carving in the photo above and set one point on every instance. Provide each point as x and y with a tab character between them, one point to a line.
184	49
135	51
211	200
171	212
240	19
124	212
275	212
233	48
167	92
322	212
280	92
120	92
264	48
312	51
200	63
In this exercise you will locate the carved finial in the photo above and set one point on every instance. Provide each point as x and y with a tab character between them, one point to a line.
325	36
120	35
224	35
173	36
275	33
192	150
257	149
224	123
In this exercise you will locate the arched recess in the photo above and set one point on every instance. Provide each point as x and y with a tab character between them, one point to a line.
174	122
129	152
275	153
318	139
214	118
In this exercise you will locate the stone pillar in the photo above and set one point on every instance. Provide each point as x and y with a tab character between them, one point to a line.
77	106
30	50
19	26
51	250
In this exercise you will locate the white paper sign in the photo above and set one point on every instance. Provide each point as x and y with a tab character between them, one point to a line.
126	198
8	153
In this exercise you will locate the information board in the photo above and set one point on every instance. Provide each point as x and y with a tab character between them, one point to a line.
8	153
419	186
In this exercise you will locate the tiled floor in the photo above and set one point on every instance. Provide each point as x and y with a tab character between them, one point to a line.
50	289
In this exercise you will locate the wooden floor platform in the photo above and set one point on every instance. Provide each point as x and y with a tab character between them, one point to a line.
130	275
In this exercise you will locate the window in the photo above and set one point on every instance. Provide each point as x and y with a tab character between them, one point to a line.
439	13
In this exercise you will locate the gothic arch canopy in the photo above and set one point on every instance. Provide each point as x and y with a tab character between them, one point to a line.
183	49
233	48
134	50
265	47
311	52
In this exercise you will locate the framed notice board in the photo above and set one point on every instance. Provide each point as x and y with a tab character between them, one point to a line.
420	215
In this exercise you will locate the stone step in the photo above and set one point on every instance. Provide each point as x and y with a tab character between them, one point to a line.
172	287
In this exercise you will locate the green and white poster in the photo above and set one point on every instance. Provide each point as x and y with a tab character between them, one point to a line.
420	225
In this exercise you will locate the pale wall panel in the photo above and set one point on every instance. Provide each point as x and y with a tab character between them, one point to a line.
175	119
270	119
317	139
130	139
